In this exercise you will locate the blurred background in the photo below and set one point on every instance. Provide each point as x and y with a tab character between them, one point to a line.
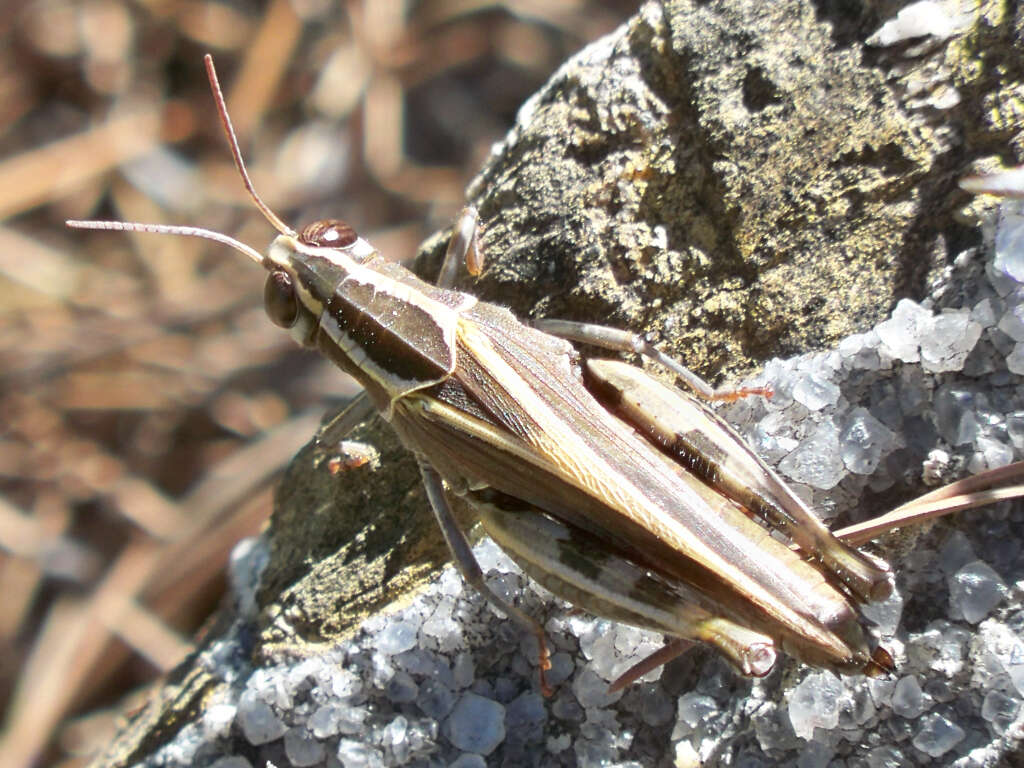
146	404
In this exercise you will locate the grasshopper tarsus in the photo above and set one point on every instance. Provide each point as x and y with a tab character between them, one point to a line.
543	665
881	664
352	455
732	395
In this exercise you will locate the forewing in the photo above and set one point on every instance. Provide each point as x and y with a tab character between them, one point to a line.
514	418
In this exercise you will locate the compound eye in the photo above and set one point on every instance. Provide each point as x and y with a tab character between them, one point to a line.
328	233
279	299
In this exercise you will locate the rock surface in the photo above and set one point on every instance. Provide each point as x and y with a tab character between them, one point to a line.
742	180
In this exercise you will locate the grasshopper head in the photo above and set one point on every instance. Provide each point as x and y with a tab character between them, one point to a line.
304	269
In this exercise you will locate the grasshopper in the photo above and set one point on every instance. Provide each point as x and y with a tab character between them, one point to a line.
631	499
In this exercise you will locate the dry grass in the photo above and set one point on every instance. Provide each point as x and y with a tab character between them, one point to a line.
146	404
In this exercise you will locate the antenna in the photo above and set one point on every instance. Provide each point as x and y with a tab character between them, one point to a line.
236	153
208	234
170	229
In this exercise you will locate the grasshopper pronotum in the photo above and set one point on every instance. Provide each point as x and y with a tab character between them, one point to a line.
629	498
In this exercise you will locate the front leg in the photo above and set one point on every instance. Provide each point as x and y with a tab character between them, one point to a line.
330	435
463	248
